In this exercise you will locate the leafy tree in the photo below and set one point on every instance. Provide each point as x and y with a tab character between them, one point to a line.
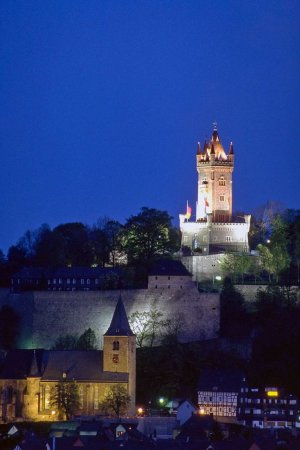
233	321
9	326
64	396
275	356
235	265
146	326
65	342
116	400
87	341
76	243
149	234
267	259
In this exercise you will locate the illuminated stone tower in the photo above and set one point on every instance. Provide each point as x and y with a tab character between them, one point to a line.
214	230
214	169
119	350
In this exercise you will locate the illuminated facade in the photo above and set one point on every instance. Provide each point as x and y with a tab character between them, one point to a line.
214	229
28	376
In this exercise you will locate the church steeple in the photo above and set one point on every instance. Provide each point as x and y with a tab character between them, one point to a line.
119	325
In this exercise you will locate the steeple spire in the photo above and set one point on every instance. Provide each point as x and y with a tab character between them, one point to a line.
119	324
231	152
34	370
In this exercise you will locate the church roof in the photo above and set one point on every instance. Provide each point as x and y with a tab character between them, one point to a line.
119	324
80	365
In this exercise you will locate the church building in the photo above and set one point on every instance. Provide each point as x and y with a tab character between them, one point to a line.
214	230
27	376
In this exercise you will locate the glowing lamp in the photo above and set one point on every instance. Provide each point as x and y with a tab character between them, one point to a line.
140	410
201	411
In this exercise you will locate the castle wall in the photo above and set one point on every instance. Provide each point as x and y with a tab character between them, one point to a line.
47	314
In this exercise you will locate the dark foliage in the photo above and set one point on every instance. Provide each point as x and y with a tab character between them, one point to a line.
9	326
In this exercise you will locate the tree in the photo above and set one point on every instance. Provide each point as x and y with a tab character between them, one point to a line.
9	326
87	341
65	397
77	249
116	400
235	265
266	258
146	326
233	312
149	234
65	342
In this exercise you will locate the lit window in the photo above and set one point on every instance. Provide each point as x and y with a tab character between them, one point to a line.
54	280
68	281
96	397
82	281
47	396
80	392
74	280
88	281
60	281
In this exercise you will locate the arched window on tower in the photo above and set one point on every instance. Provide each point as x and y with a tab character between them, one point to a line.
222	181
116	345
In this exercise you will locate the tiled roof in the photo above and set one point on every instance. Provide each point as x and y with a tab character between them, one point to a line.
84	365
67	272
169	267
79	365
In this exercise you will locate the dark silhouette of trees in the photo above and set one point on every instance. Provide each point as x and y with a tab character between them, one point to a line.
116	401
9	326
86	341
149	234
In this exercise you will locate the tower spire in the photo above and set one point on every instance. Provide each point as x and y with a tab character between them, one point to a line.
119	325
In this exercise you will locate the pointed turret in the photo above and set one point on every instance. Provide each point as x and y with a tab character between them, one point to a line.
231	152
34	370
199	152
119	324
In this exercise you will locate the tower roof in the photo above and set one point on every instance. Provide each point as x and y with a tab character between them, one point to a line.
231	152
119	325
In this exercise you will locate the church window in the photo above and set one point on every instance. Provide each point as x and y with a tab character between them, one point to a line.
212	176
116	345
47	396
96	397
222	198
82	281
80	392
222	181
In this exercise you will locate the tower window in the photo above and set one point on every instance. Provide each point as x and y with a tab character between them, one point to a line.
222	198
222	181
228	238
116	345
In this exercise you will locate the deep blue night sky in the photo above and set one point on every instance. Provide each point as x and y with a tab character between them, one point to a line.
102	103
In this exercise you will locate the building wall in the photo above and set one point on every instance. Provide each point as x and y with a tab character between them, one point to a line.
169	282
47	315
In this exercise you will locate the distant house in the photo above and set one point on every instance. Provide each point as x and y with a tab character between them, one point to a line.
169	274
218	391
268	407
66	279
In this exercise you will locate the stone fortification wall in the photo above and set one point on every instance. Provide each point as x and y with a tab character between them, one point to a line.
47	315
203	267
